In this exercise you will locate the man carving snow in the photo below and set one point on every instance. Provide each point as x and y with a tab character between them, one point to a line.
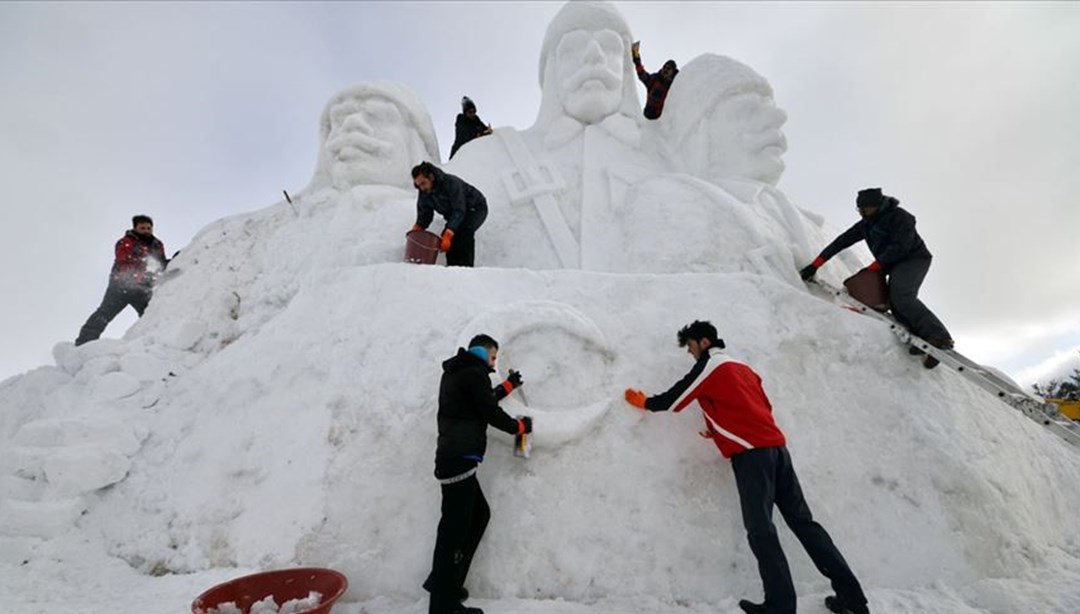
739	420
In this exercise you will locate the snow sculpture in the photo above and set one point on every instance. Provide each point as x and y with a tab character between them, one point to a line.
557	183
373	132
565	358
721	125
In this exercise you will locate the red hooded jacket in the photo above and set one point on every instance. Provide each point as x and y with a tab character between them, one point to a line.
738	415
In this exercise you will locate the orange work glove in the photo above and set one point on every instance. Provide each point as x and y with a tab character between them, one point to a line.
414	228
874	266
447	236
635	398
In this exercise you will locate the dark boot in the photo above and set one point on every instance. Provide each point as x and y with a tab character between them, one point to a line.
753	608
837	604
440	604
914	351
930	362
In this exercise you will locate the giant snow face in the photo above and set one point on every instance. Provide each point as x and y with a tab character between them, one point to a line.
370	142
744	138
588	73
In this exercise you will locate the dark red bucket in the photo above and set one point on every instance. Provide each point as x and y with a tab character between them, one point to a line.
421	247
869	288
283	584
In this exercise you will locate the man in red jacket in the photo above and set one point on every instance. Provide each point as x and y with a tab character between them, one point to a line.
139	256
739	420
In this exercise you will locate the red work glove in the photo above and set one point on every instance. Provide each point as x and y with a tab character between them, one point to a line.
874	266
415	227
524	425
447	236
635	398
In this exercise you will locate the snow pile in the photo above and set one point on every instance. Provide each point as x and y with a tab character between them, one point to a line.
276	407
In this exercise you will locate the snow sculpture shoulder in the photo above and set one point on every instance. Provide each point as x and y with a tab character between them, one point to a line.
722	122
372	133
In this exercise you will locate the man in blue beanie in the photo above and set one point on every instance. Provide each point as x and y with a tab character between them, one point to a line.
467	405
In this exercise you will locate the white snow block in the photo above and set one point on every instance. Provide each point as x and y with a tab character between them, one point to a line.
115	386
44	519
81	469
16	550
108	434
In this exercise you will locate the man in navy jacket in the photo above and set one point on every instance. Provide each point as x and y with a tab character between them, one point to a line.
900	253
463	206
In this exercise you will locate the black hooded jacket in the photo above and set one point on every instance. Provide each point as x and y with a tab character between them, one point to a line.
465	130
890	235
463	206
467	405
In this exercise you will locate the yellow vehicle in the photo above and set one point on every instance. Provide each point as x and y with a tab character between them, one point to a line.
1069	409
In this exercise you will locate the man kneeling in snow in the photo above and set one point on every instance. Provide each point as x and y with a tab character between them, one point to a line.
739	420
467	405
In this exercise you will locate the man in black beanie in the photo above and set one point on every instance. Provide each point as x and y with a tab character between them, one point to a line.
900	253
468	125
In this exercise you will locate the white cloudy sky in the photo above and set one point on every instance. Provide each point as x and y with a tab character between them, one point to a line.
193	111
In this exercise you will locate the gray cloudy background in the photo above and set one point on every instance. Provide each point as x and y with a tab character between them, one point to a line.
190	112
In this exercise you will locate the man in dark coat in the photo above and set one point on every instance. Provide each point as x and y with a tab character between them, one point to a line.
468	126
900	253
739	420
139	257
462	205
656	84
467	405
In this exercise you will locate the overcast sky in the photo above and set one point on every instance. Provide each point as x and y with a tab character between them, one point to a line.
189	112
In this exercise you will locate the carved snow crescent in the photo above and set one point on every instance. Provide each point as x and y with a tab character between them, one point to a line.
521	329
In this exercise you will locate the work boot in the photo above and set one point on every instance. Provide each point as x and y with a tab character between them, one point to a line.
942	344
930	362
753	608
443	605
837	604
915	351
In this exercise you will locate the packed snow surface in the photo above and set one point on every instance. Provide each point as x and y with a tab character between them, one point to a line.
275	407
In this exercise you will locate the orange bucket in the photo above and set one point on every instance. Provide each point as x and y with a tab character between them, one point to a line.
283	584
421	247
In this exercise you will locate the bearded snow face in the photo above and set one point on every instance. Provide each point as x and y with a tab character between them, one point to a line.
588	73
744	138
370	142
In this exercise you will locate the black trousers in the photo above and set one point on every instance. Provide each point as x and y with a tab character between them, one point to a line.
766	477
116	298
465	516
905	279
462	249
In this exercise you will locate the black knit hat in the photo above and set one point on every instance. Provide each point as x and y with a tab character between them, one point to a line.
467	103
870	197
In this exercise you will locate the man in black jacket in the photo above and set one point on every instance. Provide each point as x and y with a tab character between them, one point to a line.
467	405
468	126
463	206
900	253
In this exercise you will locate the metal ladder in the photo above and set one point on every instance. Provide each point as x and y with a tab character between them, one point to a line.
1005	390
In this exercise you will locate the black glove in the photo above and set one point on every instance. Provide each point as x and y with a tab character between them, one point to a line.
807	272
527	421
514	378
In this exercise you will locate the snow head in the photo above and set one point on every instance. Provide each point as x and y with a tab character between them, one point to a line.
373	133
721	117
585	71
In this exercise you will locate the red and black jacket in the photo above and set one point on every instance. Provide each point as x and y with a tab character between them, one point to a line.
738	415
656	90
133	253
